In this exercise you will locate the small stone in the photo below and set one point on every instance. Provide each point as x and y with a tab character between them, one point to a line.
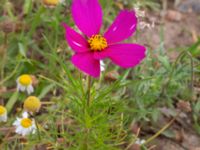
173	15
188	6
184	106
135	147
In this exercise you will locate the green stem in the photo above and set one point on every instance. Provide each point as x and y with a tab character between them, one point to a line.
88	90
191	86
38	130
4	57
85	144
161	130
88	103
10	75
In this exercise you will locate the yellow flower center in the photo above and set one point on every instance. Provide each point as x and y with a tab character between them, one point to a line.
51	2
32	104
26	122
97	43
25	80
2	110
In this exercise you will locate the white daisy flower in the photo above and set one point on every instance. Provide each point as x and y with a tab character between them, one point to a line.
25	125
102	65
24	83
3	114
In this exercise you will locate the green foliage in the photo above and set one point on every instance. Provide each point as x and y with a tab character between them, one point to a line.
40	49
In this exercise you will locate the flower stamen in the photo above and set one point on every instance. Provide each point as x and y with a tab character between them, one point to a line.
2	110
25	80
97	42
26	122
51	2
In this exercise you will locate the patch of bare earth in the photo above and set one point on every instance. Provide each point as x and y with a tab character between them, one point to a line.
179	27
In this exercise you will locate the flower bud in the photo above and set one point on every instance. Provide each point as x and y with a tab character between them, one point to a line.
51	3
32	104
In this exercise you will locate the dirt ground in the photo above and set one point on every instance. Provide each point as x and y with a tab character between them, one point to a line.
180	27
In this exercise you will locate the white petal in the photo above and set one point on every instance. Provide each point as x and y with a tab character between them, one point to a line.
25	114
30	130
18	87
22	88
102	65
19	119
30	89
16	122
33	127
17	81
19	129
3	117
34	131
25	131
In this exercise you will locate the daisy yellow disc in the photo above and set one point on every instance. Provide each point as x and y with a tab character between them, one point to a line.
26	122
51	2
2	110
32	104
25	80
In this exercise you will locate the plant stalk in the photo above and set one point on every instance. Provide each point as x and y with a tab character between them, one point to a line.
161	130
38	131
89	79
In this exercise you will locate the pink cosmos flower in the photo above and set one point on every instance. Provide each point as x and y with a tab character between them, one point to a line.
93	47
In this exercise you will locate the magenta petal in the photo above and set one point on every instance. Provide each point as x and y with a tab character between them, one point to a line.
123	27
75	40
86	63
124	55
102	54
87	15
